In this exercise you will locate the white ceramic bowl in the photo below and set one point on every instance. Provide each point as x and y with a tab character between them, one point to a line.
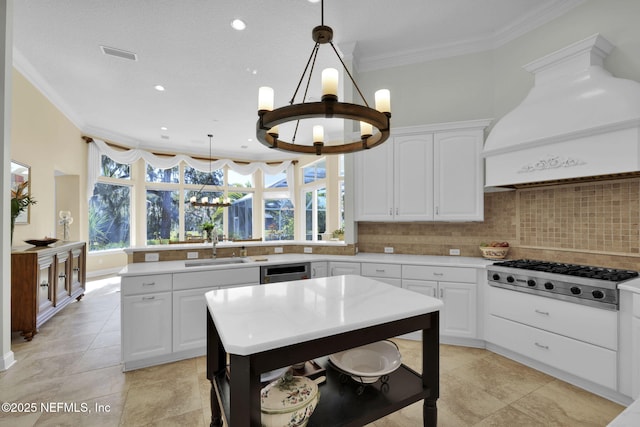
368	363
289	401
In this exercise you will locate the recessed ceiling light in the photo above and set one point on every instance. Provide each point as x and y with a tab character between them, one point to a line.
159	88
238	24
163	128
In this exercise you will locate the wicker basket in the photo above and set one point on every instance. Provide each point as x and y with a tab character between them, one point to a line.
494	252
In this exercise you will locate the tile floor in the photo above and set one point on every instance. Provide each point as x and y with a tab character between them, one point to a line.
75	359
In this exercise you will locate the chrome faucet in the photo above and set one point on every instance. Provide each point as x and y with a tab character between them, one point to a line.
214	239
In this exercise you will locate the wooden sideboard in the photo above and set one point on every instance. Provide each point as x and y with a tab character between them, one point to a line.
43	281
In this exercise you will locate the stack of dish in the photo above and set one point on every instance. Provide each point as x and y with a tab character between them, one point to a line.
366	364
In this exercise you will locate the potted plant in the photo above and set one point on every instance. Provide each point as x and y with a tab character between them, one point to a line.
207	229
338	234
20	200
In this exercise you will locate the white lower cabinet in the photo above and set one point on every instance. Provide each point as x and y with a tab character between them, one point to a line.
149	319
164	315
576	339
387	273
319	269
340	268
456	287
190	319
635	342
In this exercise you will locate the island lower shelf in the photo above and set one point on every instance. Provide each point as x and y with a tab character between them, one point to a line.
340	402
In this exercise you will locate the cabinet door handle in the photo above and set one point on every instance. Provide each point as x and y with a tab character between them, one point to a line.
148	298
313	272
545	347
544	313
61	276
390	211
396	211
149	284
441	293
437	210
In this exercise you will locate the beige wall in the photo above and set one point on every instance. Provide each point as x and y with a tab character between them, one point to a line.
43	138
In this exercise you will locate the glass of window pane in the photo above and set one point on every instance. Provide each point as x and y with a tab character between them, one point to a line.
240	215
315	171
163	175
162	216
239	180
194	176
109	217
278	219
111	169
278	180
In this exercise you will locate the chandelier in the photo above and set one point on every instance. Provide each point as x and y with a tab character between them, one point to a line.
204	201
329	107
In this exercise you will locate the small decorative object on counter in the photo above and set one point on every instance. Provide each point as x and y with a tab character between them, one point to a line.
289	401
243	252
494	250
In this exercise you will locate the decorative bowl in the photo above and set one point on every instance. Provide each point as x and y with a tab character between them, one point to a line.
41	242
366	364
494	252
289	401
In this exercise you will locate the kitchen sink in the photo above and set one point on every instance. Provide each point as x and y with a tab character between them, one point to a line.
218	261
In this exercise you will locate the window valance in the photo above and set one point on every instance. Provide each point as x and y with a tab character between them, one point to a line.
97	148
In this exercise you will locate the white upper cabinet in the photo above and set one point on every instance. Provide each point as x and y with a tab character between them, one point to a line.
423	174
458	176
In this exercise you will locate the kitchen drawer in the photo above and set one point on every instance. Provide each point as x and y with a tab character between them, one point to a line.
589	324
216	277
636	305
575	357
381	270
440	274
132	285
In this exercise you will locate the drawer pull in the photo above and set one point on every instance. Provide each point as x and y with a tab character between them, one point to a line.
438	274
148	298
149	284
544	313
380	271
545	347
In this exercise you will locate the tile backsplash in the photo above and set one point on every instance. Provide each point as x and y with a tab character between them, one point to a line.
595	223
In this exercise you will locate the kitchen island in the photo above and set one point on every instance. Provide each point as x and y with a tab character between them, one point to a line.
263	328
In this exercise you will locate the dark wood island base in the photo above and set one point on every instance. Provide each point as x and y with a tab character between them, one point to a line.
238	397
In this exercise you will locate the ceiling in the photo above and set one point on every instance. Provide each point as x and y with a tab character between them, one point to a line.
211	72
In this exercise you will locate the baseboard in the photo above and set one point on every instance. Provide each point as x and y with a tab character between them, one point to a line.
7	361
103	273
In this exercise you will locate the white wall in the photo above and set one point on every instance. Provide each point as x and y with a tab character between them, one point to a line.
489	84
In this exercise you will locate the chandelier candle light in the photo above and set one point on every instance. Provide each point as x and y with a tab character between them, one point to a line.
269	118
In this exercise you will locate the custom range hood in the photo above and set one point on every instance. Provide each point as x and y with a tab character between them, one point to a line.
578	122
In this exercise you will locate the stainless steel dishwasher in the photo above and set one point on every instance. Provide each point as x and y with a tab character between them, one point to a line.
285	272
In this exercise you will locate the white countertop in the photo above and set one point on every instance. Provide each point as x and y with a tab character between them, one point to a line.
631	285
251	319
165	267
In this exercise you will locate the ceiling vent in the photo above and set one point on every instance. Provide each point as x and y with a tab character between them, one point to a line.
119	53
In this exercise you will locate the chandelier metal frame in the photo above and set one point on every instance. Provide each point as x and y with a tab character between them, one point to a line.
329	107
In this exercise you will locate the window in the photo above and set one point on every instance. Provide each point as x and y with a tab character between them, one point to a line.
315	172
315	213
195	217
110	207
